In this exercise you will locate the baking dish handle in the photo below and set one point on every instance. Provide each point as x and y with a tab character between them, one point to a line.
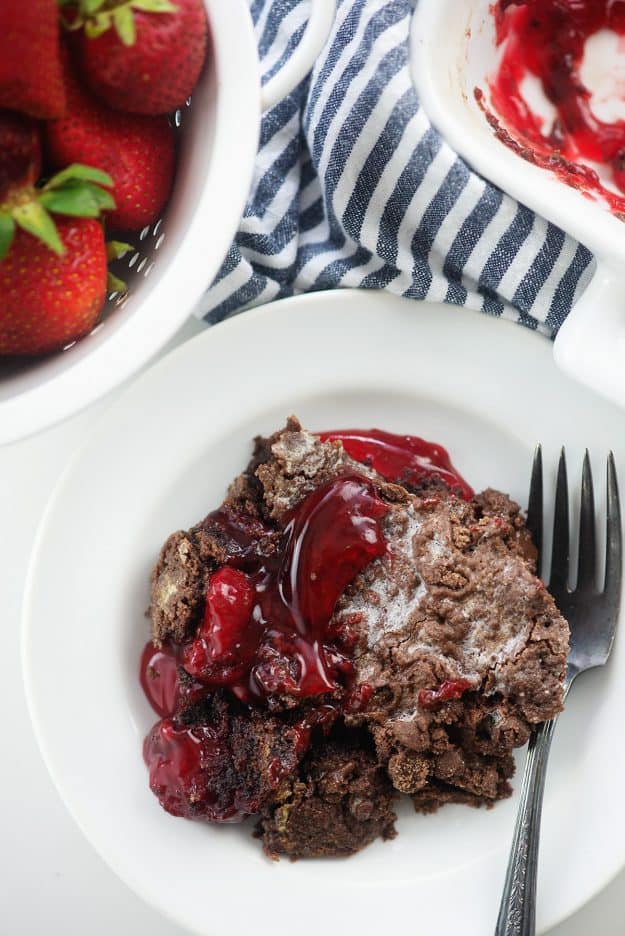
590	346
320	22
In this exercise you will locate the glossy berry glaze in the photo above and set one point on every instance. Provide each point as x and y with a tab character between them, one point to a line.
160	680
267	625
406	459
448	690
546	39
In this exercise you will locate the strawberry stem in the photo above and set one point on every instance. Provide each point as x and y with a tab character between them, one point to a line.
115	250
78	191
98	16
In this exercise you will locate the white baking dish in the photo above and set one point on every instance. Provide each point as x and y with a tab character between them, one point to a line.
453	52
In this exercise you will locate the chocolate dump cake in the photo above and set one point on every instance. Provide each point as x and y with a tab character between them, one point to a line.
352	624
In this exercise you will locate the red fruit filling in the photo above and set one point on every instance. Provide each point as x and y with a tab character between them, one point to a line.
228	636
159	675
448	690
546	39
178	758
266	632
197	772
402	458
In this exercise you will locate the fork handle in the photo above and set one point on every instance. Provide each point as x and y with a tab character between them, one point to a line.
517	912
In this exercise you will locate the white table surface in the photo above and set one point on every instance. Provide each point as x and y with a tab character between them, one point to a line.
51	880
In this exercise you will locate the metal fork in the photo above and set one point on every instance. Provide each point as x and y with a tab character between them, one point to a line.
592	615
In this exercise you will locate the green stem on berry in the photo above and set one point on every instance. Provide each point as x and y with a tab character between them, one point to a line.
115	250
76	192
98	16
115	284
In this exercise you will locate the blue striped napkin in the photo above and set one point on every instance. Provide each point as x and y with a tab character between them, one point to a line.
353	187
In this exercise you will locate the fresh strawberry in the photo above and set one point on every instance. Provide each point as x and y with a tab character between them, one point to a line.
20	151
142	56
30	67
50	300
136	151
53	276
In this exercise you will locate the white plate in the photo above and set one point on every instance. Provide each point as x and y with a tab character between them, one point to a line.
159	459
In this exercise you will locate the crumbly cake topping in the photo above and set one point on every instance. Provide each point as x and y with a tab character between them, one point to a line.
458	645
454	597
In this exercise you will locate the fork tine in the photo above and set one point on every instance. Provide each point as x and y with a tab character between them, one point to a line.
614	536
560	549
586	567
535	503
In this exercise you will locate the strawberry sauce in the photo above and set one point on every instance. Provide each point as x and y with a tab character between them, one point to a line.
266	624
403	458
267	630
546	39
266	627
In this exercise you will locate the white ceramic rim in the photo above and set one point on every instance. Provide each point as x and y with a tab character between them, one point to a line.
529	184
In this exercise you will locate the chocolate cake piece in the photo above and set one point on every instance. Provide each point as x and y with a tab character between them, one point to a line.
187	559
179	582
455	601
340	801
459	644
234	759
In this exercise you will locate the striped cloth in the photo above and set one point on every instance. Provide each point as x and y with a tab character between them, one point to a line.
353	187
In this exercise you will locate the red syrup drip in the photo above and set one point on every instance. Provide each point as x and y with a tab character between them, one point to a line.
402	458
546	39
177	758
448	690
266	628
192	770
159	675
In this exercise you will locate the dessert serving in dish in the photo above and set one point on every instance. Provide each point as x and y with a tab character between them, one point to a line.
548	48
459	54
351	624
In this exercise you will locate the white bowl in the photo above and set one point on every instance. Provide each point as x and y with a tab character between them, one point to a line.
178	256
453	52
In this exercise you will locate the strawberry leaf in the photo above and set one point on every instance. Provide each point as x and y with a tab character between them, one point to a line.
115	250
33	218
89	7
103	199
81	173
114	284
77	191
7	230
79	201
97	25
124	23
154	6
71	25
